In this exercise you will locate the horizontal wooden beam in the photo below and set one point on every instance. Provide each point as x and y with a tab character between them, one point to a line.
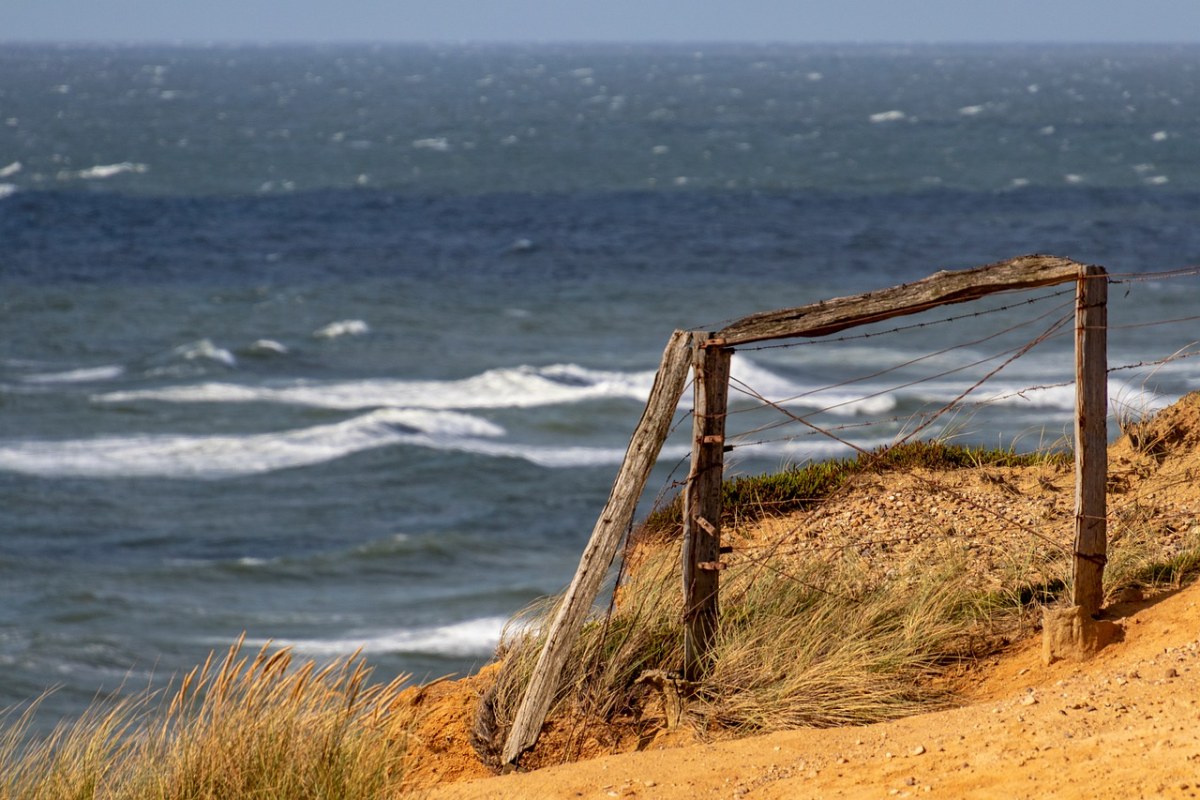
941	288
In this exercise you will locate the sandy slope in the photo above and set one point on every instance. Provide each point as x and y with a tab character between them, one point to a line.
1126	724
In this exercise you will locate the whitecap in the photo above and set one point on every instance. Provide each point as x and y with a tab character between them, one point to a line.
11	169
472	637
227	456
267	347
101	171
437	144
566	457
971	111
7	190
81	375
345	327
895	115
1158	180
1160	136
754	380
205	349
510	387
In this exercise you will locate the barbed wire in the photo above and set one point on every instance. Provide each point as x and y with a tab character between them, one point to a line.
918	359
1142	277
1014	352
1021	393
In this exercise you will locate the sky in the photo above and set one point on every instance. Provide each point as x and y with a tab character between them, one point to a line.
601	20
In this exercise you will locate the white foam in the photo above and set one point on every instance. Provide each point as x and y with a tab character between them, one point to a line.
82	375
1160	136
8	189
206	350
344	327
473	637
1052	398
101	171
9	170
561	457
895	115
268	347
513	387
793	394
971	111
225	456
437	144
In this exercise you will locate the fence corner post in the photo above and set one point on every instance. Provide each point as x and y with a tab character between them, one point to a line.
701	557
1091	437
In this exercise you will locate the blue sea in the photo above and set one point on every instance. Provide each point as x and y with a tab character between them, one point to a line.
341	346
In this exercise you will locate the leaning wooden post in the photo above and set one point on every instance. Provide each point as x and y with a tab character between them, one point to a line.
702	502
597	557
1091	437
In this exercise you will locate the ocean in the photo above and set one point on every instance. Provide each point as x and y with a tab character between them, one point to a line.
340	346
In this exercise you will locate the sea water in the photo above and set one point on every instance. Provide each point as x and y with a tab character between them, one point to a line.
340	347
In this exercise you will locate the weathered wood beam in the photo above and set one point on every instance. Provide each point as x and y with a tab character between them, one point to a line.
614	520
941	288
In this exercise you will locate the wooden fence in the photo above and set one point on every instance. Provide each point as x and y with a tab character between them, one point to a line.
708	354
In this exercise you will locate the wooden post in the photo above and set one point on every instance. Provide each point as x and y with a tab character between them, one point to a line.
702	502
597	557
1091	437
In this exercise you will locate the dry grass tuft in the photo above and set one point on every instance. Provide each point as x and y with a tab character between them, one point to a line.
246	727
812	643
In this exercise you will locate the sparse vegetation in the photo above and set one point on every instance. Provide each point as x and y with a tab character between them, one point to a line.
796	488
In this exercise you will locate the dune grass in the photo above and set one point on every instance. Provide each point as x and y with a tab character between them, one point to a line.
817	639
801	643
239	728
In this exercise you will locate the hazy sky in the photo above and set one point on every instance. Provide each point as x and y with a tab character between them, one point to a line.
602	20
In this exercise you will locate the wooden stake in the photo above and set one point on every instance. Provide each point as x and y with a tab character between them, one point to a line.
1091	437
643	451
702	504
